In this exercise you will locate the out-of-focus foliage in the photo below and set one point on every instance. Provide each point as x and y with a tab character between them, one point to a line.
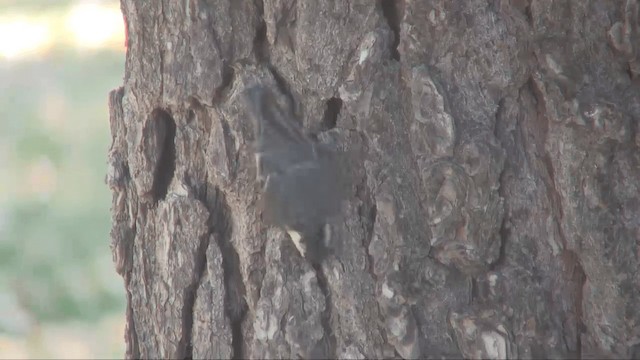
30	5
56	271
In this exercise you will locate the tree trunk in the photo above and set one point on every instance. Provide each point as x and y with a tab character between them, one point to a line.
494	210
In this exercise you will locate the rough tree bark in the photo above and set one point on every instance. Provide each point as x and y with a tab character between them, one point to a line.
495	208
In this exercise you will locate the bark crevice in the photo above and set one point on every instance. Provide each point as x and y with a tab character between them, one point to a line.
228	74
368	212
260	42
331	113
165	131
191	294
235	305
391	11
329	337
503	231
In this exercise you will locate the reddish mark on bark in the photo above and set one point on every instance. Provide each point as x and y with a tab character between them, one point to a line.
126	32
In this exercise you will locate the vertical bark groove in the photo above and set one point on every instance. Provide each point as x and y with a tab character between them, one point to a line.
166	131
332	110
329	340
190	299
235	305
392	13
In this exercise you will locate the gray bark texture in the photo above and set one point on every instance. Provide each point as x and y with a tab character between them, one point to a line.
494	206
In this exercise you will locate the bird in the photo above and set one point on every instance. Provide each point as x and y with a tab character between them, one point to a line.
299	177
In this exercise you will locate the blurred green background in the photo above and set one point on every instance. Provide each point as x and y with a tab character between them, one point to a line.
59	294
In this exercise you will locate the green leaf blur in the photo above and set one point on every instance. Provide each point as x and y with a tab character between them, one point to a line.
55	258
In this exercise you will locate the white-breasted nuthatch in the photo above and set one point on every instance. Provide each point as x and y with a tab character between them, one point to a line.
299	176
